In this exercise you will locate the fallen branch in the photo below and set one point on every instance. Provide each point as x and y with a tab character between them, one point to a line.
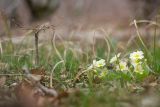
36	82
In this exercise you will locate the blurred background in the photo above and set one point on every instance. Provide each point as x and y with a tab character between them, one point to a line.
70	15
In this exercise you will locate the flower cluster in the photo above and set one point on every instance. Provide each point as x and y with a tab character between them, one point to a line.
135	63
121	65
137	59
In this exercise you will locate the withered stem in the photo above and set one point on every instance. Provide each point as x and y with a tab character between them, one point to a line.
36	49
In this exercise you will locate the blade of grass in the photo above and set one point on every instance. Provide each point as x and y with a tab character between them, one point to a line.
51	75
154	47
106	38
55	48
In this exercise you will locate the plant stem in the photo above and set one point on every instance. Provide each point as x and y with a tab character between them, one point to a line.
36	48
154	47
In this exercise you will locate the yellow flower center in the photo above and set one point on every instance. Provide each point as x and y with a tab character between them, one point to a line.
136	56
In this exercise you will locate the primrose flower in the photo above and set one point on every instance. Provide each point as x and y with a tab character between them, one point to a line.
136	62
122	66
138	69
136	58
97	64
114	59
138	55
100	63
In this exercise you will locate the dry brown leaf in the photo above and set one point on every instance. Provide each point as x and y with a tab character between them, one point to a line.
150	81
31	96
38	73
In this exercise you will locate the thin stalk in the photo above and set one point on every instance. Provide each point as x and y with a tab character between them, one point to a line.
53	41
106	38
139	35
51	75
154	47
36	49
148	53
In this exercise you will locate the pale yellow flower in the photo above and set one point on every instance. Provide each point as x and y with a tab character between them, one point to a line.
97	64
122	66
136	58
100	63
136	62
115	58
138	69
138	55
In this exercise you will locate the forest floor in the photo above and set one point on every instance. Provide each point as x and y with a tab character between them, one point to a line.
55	67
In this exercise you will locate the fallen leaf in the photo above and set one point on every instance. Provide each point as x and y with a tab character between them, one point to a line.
38	73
